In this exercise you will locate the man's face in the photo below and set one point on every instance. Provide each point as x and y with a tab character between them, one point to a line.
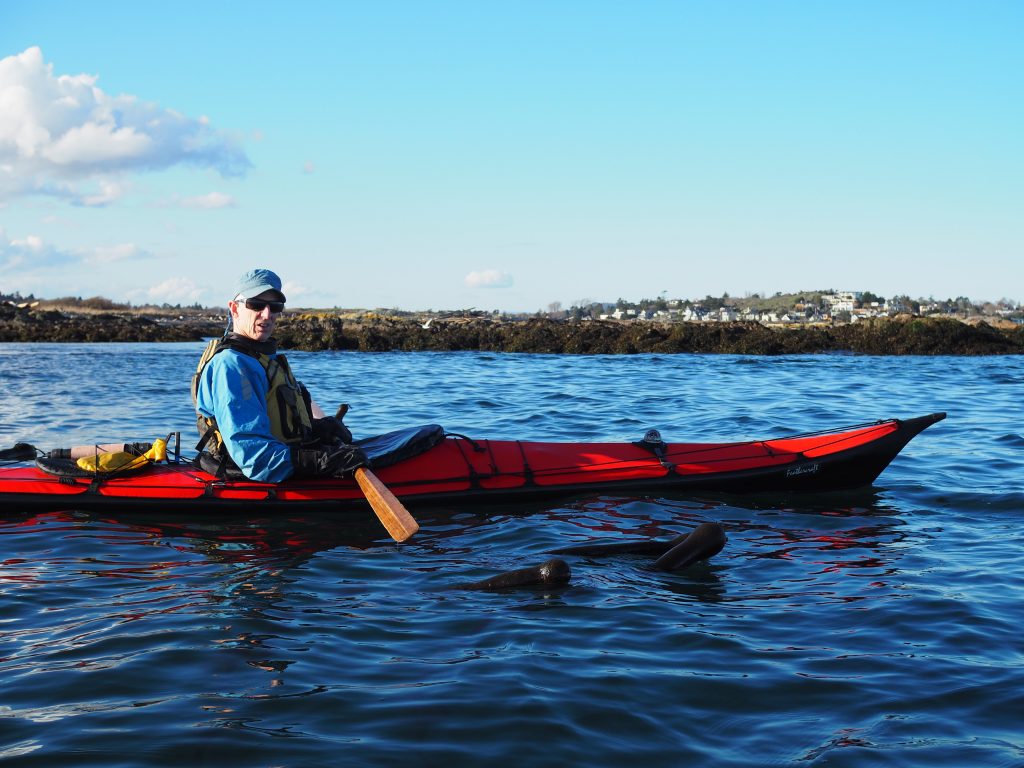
256	325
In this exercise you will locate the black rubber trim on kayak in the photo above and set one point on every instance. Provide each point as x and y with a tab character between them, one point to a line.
69	468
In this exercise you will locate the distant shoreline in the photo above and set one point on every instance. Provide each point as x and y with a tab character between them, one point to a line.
897	336
327	330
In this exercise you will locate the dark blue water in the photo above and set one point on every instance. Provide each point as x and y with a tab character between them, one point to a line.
874	628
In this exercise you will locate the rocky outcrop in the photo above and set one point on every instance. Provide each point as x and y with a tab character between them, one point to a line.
26	324
927	336
903	336
326	330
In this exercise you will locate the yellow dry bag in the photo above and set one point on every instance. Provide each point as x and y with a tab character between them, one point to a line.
122	461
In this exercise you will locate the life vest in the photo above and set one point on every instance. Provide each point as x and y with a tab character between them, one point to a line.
288	403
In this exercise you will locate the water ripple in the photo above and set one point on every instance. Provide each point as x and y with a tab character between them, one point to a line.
876	627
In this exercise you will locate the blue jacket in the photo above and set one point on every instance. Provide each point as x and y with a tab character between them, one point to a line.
233	390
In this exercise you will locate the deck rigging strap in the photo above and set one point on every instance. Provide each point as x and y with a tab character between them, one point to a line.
528	478
652	442
474	476
477	448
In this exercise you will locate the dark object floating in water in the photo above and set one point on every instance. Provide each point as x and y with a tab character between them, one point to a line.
705	541
551	573
640	547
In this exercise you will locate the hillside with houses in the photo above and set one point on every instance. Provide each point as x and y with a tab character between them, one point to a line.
818	308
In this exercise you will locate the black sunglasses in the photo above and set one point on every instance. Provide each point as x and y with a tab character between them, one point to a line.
258	305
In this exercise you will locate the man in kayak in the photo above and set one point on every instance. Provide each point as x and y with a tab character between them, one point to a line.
253	415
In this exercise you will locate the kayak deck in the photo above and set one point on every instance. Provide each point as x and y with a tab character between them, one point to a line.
460	469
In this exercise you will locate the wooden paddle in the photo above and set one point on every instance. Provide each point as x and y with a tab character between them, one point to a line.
389	510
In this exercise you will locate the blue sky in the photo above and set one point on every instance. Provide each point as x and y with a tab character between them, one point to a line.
507	155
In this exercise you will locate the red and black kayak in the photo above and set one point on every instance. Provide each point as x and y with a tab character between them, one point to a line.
427	465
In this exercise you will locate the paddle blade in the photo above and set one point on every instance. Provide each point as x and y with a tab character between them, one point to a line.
389	510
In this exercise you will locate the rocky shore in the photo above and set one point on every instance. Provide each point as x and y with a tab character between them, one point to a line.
328	330
40	324
900	336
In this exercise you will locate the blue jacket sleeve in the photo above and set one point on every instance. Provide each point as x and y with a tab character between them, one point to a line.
233	390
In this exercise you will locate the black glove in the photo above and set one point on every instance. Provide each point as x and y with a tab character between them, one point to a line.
337	461
330	430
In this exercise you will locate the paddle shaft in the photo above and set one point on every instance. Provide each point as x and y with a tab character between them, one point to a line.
389	510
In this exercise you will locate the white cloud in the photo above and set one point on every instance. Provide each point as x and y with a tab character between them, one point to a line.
32	243
107	192
209	201
174	290
58	133
93	145
489	278
32	256
113	253
294	290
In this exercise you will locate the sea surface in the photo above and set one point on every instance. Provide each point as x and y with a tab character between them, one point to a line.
883	627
